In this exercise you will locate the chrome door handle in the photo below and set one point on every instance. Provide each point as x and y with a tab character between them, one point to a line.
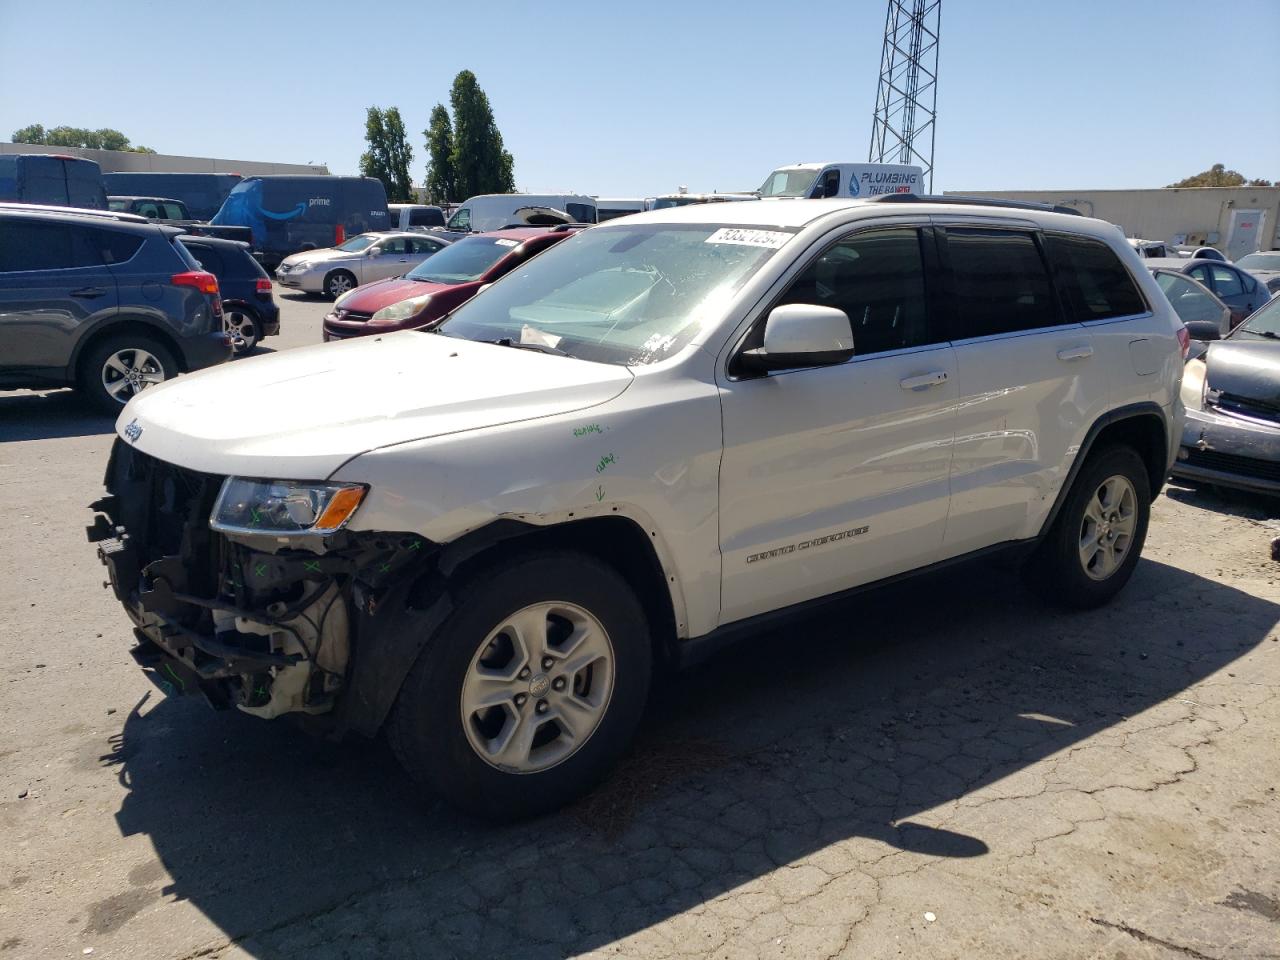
924	381
1075	353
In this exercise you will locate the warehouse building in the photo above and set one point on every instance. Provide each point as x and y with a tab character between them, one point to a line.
1236	220
117	161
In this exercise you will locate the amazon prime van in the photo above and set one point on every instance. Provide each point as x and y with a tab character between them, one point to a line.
288	214
494	211
818	180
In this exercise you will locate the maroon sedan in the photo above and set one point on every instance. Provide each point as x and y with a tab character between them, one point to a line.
440	283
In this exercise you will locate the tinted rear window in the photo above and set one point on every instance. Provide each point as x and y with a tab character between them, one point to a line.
426	218
209	258
1096	283
116	245
35	245
1000	282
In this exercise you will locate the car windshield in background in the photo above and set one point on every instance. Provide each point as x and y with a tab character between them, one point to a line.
788	183
1265	322
624	294
1259	261
463	261
356	244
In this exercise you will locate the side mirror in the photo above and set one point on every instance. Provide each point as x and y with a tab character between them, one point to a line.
373	252
1204	330
801	335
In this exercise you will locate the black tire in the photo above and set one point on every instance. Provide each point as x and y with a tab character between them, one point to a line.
249	327
1057	570
127	347
332	282
426	726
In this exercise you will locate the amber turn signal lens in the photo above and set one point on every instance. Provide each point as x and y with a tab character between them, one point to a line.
342	506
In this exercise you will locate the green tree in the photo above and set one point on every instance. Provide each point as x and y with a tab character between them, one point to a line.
32	134
481	163
101	139
389	153
1216	176
440	180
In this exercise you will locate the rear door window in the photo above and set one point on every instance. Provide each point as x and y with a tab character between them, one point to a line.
1096	284
117	246
209	258
1226	283
999	283
32	245
426	217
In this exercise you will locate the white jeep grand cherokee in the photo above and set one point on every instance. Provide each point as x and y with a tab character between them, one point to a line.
659	434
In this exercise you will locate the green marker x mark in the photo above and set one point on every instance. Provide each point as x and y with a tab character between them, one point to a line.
385	567
312	566
416	544
254	516
260	569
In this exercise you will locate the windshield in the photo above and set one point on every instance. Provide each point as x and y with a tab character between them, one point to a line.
1260	261
1264	322
618	294
464	261
356	244
788	183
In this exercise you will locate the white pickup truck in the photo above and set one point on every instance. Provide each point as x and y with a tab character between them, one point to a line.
660	434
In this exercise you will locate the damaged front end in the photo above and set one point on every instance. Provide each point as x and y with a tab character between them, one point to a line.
268	623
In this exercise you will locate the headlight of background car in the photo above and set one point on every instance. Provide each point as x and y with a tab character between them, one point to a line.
402	310
278	507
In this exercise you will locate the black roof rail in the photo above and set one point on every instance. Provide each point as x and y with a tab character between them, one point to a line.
976	202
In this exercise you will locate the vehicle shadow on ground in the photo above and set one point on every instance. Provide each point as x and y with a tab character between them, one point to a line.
46	415
862	728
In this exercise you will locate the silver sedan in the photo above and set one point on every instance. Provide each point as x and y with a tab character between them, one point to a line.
362	259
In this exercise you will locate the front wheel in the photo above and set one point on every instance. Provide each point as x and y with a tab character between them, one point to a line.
530	691
338	283
1095	542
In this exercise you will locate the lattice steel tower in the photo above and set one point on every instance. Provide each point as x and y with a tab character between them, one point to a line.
907	99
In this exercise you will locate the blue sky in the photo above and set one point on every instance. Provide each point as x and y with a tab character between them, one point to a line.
637	98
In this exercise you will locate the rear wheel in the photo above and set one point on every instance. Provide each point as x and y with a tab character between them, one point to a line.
1095	542
338	283
243	327
123	365
530	691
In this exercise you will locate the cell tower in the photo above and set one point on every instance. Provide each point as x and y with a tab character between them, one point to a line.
907	97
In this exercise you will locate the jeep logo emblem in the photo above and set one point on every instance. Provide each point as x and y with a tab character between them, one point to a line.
132	431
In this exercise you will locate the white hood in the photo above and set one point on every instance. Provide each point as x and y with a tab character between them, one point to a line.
301	414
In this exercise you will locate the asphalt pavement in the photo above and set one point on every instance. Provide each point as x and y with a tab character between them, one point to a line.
942	769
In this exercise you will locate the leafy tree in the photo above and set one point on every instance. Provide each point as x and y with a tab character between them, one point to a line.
101	139
481	163
32	134
1216	176
389	154
440	179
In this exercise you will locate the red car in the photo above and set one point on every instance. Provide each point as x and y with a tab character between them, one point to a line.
440	283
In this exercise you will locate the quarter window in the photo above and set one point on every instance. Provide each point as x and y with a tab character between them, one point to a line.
877	279
1096	284
1000	283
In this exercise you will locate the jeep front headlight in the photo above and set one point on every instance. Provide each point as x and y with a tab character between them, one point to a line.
284	507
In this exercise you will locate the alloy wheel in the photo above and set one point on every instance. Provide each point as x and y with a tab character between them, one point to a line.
339	284
537	687
128	372
242	330
1107	529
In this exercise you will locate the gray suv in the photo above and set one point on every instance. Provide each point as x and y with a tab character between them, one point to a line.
109	303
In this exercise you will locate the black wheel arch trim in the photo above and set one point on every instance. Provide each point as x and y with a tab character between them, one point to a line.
105	327
1133	411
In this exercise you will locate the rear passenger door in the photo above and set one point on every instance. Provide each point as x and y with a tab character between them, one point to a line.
1029	383
53	284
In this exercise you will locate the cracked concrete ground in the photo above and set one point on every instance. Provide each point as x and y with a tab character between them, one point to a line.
1040	784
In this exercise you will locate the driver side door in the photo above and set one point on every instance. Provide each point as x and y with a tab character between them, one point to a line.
836	476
